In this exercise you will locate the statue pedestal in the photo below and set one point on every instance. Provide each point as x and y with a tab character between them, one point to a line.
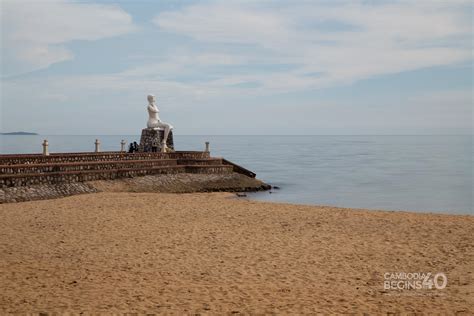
151	140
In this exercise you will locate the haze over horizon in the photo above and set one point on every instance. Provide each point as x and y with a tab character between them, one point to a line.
237	68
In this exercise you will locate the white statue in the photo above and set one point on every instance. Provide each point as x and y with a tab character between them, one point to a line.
155	122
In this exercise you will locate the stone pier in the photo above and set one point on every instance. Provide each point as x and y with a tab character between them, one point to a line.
27	177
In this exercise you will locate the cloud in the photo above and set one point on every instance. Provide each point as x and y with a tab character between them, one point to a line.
223	23
34	33
230	58
345	42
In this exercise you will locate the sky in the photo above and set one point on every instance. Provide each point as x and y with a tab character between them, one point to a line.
237	67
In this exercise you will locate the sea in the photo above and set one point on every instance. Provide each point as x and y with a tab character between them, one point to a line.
413	173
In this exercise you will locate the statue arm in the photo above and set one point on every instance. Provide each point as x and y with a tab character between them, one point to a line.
153	109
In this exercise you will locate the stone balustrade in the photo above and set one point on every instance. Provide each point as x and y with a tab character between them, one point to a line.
101	156
16	180
83	166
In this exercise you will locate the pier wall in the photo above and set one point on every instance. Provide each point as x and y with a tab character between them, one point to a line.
18	180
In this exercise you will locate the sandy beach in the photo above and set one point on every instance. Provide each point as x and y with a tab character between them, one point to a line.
211	253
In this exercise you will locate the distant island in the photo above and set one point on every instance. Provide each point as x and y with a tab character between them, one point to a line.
19	133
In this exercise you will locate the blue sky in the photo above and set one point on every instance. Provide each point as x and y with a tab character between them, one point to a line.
238	67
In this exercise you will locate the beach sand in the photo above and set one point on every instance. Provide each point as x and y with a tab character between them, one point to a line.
211	253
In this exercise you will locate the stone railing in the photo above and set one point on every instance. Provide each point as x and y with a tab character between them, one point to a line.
17	180
100	156
239	169
201	162
83	166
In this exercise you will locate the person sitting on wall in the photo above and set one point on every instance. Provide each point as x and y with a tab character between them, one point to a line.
133	147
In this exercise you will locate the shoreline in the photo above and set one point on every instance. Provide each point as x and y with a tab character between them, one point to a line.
212	253
471	214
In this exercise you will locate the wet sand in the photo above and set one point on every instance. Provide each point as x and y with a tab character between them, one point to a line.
211	253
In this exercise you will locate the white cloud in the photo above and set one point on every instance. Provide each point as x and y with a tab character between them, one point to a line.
344	42
34	32
223	23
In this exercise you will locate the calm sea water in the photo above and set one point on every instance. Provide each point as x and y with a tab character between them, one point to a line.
418	173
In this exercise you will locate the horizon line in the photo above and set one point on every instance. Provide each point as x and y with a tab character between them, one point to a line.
286	135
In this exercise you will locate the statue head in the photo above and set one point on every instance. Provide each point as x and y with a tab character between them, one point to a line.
151	98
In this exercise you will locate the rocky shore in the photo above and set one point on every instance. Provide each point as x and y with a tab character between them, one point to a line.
168	183
44	192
